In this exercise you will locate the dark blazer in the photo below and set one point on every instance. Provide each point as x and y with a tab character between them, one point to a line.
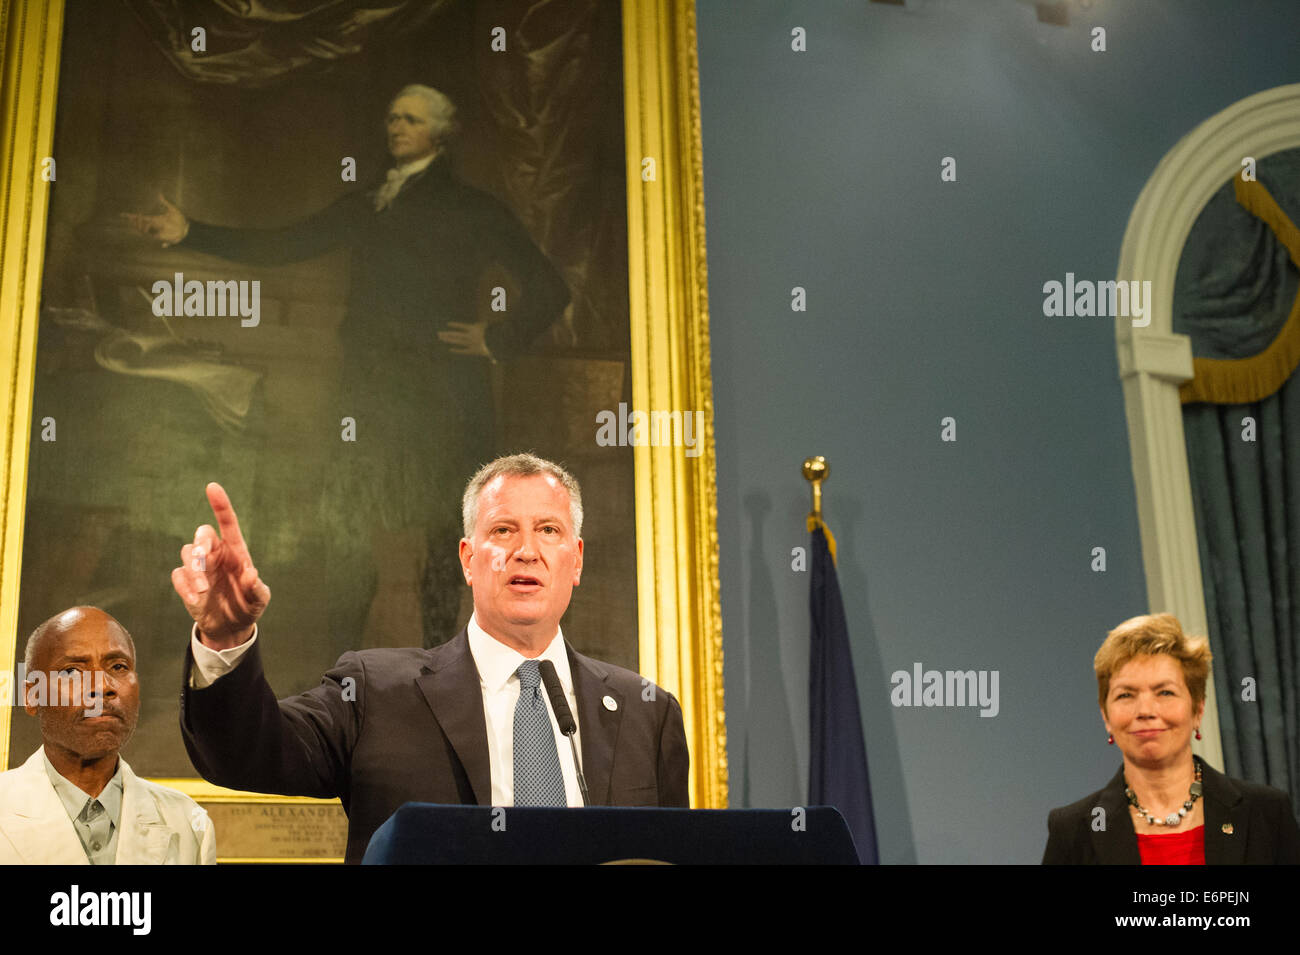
414	266
390	726
1264	830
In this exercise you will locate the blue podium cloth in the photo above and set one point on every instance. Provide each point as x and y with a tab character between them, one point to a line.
424	833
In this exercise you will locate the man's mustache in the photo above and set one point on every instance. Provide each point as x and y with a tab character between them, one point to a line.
97	708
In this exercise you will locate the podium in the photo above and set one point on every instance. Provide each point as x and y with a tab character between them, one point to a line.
429	834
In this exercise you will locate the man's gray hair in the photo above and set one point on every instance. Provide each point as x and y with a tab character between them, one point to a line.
29	654
442	111
519	465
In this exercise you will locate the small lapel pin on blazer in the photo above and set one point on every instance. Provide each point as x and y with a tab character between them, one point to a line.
610	703
1227	828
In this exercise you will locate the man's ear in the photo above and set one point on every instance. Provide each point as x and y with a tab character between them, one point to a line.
577	566
466	552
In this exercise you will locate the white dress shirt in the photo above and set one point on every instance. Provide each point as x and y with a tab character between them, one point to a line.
496	664
210	665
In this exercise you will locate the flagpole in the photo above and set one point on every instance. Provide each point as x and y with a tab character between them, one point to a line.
815	470
837	771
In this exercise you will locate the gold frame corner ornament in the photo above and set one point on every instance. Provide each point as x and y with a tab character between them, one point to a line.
676	505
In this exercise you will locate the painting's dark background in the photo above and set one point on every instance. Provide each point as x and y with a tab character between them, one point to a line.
111	501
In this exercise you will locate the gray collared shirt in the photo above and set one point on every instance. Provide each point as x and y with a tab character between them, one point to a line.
96	819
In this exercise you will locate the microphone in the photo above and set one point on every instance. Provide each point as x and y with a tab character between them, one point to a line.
563	716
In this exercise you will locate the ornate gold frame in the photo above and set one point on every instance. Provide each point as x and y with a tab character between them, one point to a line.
676	509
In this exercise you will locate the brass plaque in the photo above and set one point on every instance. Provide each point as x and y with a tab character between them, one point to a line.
279	831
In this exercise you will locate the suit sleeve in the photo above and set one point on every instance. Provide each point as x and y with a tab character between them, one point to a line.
1057	851
208	847
1288	833
543	294
315	235
238	735
674	759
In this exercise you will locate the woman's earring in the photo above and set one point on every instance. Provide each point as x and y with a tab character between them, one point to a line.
1110	738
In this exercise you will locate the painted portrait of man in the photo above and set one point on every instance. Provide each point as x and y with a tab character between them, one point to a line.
420	210
420	242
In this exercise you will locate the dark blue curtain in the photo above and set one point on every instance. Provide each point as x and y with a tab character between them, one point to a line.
1235	288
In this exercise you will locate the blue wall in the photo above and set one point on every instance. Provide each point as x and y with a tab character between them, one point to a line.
924	301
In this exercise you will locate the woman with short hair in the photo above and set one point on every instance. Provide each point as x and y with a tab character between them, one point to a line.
1166	806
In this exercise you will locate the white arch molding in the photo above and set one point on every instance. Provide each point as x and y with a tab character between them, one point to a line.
1153	361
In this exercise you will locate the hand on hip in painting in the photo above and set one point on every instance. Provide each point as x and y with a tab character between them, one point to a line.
169	226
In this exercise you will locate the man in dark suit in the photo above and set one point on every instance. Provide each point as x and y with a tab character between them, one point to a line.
1245	824
413	345
462	723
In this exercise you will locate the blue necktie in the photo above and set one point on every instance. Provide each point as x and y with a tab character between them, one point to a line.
538	780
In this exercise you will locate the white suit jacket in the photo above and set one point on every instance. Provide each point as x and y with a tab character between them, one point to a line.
159	826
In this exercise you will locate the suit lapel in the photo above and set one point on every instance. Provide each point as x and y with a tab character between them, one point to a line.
597	724
1225	827
450	684
36	822
1116	843
145	838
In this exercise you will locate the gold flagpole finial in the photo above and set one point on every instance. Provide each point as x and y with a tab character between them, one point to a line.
816	470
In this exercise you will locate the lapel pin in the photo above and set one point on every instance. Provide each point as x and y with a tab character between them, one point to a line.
1227	828
610	703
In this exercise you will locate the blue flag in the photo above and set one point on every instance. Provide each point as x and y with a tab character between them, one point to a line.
838	769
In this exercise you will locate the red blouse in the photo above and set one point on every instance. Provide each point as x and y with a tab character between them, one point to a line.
1176	848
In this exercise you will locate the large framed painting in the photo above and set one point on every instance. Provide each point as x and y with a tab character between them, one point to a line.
218	266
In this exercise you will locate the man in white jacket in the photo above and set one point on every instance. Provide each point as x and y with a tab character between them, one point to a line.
76	801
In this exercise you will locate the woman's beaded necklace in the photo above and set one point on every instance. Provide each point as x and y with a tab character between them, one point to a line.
1174	818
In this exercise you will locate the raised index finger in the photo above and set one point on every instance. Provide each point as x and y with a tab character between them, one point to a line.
224	512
